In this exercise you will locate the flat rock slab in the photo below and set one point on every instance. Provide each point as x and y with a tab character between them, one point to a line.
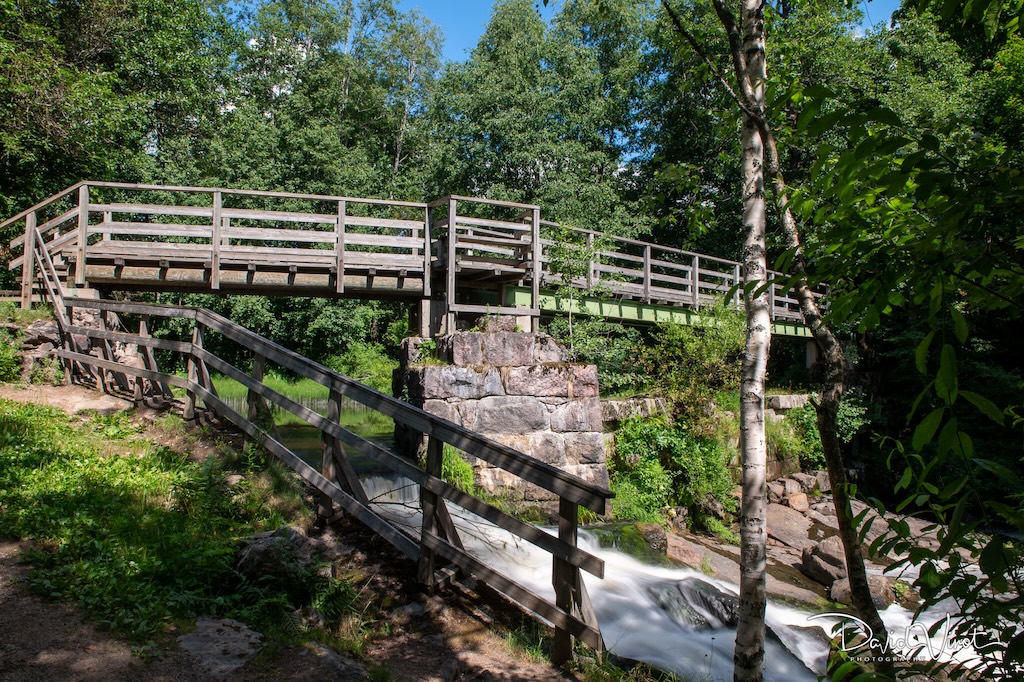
788	526
721	561
221	645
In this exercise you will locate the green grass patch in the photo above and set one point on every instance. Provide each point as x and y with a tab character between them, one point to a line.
12	312
135	533
298	390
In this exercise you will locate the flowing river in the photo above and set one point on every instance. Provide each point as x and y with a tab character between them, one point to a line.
673	618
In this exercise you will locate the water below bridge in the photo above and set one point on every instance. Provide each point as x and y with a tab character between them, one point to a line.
674	618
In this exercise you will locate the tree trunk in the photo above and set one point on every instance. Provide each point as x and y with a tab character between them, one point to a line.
827	407
750	629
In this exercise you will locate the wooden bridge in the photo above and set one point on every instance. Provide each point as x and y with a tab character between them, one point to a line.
455	257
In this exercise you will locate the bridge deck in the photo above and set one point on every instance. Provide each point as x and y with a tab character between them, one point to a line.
456	252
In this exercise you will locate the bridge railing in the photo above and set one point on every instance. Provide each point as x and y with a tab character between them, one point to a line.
243	234
651	273
493	240
218	230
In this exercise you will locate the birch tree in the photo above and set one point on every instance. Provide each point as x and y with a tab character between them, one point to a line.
760	156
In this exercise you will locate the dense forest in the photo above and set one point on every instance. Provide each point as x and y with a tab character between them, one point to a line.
900	146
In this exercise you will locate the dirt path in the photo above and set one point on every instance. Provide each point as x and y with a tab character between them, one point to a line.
431	640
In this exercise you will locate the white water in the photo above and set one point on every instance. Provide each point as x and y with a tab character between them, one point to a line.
633	624
636	626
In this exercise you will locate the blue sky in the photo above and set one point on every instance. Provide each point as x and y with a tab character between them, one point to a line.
463	21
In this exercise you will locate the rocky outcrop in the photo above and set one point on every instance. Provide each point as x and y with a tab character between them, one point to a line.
614	412
285	557
221	645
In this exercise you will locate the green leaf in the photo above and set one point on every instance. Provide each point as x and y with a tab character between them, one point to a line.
908	475
945	380
921	354
986	406
959	324
999	470
993	558
1013	654
925	431
884	115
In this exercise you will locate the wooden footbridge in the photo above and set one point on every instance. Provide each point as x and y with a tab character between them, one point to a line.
454	257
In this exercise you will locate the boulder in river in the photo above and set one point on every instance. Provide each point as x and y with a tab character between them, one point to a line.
825	561
695	603
881	586
788	526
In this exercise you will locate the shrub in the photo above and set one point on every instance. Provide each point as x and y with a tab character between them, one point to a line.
850	419
658	464
692	362
366	363
10	364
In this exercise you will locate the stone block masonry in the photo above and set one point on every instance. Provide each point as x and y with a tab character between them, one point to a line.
516	388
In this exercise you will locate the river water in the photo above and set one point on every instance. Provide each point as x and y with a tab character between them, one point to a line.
673	618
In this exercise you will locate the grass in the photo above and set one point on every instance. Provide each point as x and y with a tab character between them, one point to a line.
306	391
12	312
137	534
299	390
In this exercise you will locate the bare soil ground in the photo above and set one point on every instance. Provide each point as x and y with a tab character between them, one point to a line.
433	639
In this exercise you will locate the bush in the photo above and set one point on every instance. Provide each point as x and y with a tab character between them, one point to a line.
10	363
367	363
612	347
692	362
658	465
457	471
850	419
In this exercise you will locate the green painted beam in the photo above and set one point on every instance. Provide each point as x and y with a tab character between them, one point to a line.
629	311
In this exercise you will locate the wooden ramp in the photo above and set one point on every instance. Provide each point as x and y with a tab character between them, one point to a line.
457	256
436	545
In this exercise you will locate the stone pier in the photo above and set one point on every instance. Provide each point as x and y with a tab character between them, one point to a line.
515	388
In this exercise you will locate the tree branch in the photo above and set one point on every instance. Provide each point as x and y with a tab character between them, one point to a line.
681	30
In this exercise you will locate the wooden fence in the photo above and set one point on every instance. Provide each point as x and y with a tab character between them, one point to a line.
438	541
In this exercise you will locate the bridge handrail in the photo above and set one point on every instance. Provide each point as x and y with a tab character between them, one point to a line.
528	468
571	613
38	207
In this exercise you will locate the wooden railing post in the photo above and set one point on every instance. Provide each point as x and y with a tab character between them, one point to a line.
83	234
339	247
535	280
647	273
251	398
193	373
771	300
215	242
149	360
427	217
449	294
428	505
591	261
695	280
335	465
28	267
566	579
